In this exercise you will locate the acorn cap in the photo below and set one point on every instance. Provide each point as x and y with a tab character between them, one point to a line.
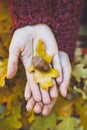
40	63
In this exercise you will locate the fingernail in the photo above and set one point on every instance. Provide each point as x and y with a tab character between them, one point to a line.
59	80
8	75
29	108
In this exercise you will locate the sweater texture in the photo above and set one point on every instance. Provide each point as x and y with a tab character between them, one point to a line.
62	16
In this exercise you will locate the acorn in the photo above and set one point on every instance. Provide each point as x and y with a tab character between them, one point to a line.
39	63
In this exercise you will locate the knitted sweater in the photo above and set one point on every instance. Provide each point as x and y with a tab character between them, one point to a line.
62	16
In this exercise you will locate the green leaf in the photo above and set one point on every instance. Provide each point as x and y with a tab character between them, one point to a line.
44	123
68	123
79	72
11	122
84	96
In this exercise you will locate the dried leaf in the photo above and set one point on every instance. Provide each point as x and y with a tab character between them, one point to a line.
81	110
63	107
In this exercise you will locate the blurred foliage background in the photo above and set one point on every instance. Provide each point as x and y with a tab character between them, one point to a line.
68	114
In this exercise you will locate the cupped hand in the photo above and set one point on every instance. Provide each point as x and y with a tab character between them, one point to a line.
45	109
21	47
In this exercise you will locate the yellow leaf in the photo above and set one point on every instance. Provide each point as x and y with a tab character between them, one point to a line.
40	51
79	71
3	72
31	68
81	111
5	20
43	78
31	116
3	52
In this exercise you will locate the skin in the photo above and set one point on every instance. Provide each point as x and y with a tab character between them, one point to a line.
45	109
40	100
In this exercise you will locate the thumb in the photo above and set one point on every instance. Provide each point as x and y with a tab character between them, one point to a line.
12	62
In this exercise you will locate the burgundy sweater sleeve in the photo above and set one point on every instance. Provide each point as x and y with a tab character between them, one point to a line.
62	16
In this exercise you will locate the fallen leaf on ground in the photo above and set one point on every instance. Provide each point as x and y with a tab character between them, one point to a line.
79	72
3	71
44	123
68	123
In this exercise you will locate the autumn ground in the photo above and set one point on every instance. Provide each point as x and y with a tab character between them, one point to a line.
68	114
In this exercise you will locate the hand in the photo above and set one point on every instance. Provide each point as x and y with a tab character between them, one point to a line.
21	47
66	70
45	109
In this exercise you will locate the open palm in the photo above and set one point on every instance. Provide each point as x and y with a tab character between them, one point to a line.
21	47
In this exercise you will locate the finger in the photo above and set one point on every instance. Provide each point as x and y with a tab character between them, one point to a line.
52	49
13	61
65	84
38	107
30	104
66	67
57	65
45	96
34	87
47	108
54	90
27	93
30	78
